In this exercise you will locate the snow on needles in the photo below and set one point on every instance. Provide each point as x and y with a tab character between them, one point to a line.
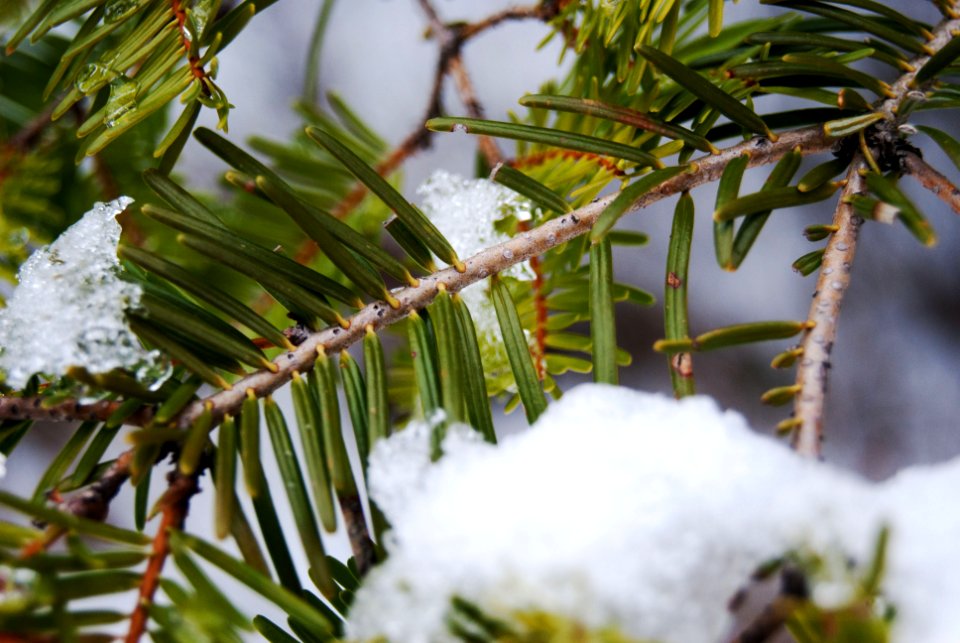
466	212
635	511
68	309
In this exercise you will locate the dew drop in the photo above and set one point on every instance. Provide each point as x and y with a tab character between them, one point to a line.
508	254
836	285
841	246
551	238
91	76
827	271
122	101
483	272
806	361
460	128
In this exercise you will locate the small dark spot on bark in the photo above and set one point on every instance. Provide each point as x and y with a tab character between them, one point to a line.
37	402
289	355
380	313
575	218
15	408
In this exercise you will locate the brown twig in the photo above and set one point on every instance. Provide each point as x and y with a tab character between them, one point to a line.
175	504
542	11
452	38
488	147
33	408
817	342
92	503
706	169
364	551
932	180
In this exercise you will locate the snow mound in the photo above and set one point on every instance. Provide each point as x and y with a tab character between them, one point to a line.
639	512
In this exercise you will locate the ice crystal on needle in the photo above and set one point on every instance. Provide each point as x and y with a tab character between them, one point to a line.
647	521
69	308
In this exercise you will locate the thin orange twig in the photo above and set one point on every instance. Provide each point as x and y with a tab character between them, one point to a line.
175	504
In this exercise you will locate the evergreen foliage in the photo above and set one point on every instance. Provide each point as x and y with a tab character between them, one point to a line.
661	97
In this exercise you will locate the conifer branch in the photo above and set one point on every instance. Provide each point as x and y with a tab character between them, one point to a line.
492	260
834	277
706	169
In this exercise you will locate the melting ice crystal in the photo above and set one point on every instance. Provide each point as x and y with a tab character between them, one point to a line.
68	309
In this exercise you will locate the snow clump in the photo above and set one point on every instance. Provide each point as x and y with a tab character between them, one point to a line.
634	511
69	307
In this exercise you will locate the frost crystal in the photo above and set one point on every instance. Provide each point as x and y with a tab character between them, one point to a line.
466	212
647	521
69	307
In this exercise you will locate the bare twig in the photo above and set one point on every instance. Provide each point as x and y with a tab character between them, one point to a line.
542	11
932	180
817	342
175	504
468	95
93	502
451	38
33	408
364	551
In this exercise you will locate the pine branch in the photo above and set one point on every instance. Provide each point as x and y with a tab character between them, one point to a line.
810	140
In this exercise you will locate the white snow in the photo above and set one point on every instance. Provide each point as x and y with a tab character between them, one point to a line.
632	510
68	309
466	211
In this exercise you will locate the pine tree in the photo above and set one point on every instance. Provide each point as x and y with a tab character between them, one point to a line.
317	251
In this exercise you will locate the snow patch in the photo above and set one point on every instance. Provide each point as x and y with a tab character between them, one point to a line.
466	212
639	512
69	307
